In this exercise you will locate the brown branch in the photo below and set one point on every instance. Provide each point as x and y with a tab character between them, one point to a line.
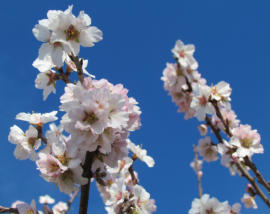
86	188
62	75
78	64
257	173
226	126
252	181
214	129
247	160
8	210
243	171
131	170
40	135
133	176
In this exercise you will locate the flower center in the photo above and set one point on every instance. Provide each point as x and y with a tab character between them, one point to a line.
72	33
246	142
31	141
90	118
57	44
181	54
210	211
51	78
203	101
62	159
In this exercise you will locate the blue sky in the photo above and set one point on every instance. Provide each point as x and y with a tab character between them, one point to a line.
232	44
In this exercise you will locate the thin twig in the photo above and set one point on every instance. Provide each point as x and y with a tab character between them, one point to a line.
78	64
133	176
257	173
227	128
62	75
247	160
40	135
196	166
8	210
245	174
74	195
214	129
86	188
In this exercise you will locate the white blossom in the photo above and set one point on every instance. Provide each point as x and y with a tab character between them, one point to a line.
249	201
26	143
37	118
141	154
200	102
46	199
184	55
207	150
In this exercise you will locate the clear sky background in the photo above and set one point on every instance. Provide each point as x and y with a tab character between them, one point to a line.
232	41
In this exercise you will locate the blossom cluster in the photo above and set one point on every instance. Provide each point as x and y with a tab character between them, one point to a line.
206	205
62	35
121	192
24	208
97	119
210	104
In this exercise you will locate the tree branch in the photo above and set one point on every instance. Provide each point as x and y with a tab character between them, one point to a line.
86	188
78	64
8	210
257	173
252	181
196	166
40	135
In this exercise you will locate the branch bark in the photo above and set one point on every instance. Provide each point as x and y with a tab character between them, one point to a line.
86	188
8	210
78	64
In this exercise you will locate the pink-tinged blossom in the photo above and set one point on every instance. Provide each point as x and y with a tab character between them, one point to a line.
207	205
50	167
207	150
122	167
196	165
72	31
200	102
60	208
52	50
57	169
226	150
73	67
46	81
236	208
141	154
249	201
173	77
24	208
26	143
63	33
246	140
96	112
46	199
229	117
203	129
184	106
184	54
221	92
144	204
116	192
37	118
